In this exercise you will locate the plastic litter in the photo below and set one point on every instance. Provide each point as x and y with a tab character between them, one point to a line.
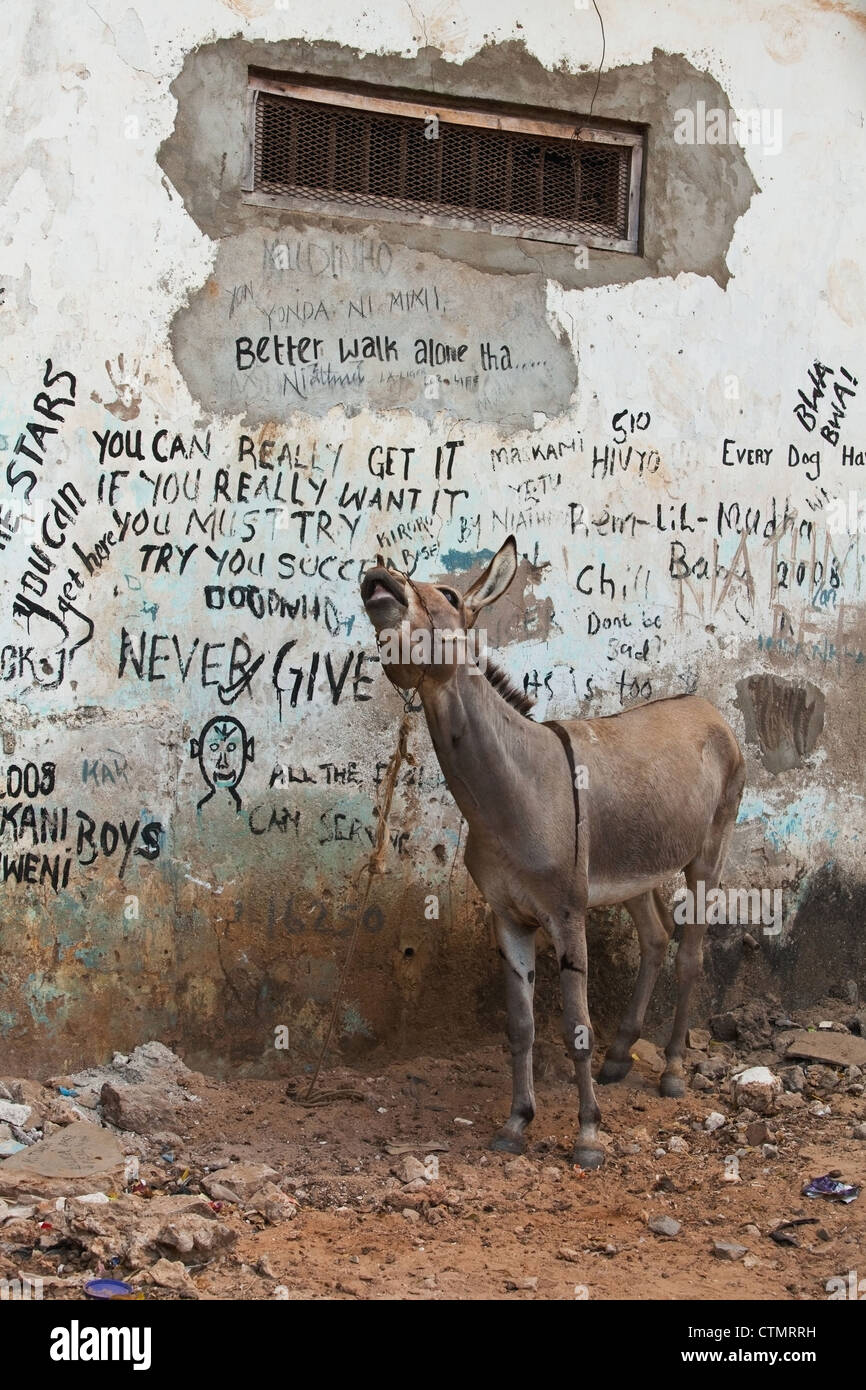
829	1186
108	1288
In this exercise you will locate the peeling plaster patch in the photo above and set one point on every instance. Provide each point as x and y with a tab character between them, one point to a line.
798	826
302	319
520	616
785	718
490	286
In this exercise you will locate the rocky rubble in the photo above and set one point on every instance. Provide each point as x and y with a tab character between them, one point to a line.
89	1187
122	1171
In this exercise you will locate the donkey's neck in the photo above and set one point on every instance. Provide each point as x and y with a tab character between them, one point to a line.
490	755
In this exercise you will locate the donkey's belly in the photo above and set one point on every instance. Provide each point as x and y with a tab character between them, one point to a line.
609	892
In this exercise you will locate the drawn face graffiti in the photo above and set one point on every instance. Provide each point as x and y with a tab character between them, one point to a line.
223	751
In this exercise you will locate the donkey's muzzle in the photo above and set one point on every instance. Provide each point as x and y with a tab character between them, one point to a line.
383	596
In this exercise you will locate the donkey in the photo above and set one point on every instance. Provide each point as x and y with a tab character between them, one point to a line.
663	784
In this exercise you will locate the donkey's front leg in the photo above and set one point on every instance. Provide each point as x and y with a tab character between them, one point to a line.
570	943
517	949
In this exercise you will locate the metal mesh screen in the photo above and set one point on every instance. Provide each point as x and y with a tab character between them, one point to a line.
345	155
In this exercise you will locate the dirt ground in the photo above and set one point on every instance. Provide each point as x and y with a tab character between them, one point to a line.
492	1226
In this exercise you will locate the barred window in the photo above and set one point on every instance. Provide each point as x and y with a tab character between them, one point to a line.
476	167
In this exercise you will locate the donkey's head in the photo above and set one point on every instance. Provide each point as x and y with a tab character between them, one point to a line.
422	630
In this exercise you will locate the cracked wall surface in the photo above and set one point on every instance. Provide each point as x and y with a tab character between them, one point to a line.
195	726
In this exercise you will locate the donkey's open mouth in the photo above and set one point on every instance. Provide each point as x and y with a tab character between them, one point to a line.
383	596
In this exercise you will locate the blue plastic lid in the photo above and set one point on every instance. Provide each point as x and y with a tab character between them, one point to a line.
107	1288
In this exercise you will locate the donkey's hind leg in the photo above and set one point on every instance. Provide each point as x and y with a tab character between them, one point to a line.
707	866
652	932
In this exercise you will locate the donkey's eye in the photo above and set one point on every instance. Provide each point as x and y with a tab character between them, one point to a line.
453	599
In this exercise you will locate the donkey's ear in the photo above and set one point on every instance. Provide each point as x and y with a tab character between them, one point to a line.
493	582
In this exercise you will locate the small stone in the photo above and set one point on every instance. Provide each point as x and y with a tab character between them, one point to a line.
751	1229
567	1253
830	1047
728	1250
790	1101
822	1078
237	1182
412	1168
758	1088
701	1083
142	1109
648	1053
793	1079
713	1067
554	1174
757	1133
410	1214
770	1150
172	1274
664	1226
677	1145
88	1098
15	1114
273	1204
518	1168
264	1266
749	940
724	1026
530	1284
699	1039
714	1121
860	1130
458	1120
819	1110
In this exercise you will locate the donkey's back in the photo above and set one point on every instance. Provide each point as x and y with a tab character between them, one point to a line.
663	779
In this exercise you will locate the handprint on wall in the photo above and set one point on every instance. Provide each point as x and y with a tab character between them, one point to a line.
128	389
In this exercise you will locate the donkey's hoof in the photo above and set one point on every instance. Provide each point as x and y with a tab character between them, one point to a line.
613	1071
672	1086
587	1156
505	1141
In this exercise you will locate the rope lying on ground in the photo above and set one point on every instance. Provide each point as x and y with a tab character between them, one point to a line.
373	866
